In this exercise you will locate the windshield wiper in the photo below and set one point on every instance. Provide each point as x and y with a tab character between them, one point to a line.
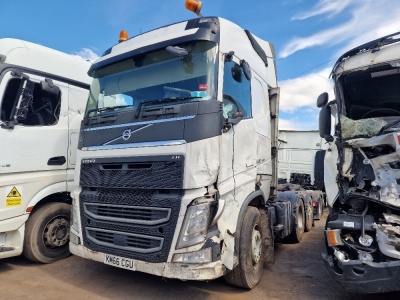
162	100
387	126
102	109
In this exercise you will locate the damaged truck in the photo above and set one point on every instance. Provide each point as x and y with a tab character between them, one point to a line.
43	95
177	156
362	167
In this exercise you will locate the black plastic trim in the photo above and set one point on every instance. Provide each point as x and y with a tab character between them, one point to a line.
206	121
257	47
206	32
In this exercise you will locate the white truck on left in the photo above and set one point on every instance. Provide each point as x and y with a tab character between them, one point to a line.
43	94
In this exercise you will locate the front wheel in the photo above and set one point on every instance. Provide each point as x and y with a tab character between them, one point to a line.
252	251
47	233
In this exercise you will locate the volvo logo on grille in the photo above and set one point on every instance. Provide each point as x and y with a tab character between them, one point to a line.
126	134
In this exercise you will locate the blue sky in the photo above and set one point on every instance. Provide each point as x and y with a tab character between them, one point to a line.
308	34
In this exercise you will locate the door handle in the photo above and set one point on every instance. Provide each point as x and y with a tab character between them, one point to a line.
56	161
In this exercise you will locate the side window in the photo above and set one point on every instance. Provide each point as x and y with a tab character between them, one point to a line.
30	103
236	92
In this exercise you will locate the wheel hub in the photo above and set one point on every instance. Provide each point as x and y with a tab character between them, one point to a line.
56	232
256	245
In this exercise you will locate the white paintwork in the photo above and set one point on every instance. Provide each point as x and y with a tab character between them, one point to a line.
296	153
330	174
387	53
25	150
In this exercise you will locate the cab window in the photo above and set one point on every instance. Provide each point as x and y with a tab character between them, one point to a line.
236	92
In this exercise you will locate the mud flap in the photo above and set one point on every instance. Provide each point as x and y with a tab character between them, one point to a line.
269	238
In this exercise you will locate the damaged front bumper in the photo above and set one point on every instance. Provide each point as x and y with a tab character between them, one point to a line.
365	277
182	271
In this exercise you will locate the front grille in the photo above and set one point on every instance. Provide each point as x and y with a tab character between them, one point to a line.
153	173
127	214
124	241
138	224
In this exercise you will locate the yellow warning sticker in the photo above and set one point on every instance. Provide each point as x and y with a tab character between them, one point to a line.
14	196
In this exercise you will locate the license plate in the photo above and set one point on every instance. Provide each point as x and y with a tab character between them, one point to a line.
120	262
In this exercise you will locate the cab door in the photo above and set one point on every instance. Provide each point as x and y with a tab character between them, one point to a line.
239	140
33	137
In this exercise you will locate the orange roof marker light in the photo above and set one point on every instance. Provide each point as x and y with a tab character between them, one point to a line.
123	36
194	6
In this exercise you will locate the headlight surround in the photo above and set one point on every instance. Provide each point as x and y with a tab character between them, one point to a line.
195	225
199	257
74	215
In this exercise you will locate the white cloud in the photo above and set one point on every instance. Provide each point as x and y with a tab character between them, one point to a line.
370	19
330	7
86	54
303	92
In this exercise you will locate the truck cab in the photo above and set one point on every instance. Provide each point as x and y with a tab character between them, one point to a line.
43	95
177	154
362	163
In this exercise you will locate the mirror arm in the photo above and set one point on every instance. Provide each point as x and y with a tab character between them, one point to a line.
228	123
329	138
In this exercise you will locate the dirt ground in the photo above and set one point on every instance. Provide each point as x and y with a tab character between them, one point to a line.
298	273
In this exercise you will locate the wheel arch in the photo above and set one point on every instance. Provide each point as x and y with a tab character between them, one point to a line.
53	193
255	199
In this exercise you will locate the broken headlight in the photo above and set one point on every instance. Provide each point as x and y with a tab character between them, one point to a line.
195	225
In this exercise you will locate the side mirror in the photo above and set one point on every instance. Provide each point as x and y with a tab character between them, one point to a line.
246	69
237	73
322	99
325	123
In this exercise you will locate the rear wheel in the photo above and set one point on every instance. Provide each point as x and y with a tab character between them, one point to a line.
298	231
309	216
251	251
47	233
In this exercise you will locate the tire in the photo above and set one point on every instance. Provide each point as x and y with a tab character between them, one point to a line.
251	251
320	208
309	216
47	233
298	231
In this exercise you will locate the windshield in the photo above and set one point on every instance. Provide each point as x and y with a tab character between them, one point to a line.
156	76
372	94
372	102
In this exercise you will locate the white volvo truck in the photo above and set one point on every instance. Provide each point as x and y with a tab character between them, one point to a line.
362	167
43	95
177	156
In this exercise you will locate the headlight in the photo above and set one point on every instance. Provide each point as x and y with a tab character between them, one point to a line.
195	225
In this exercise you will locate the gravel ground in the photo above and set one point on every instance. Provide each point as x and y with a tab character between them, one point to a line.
298	273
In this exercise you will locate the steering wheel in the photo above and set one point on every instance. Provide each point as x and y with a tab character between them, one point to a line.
233	106
380	109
